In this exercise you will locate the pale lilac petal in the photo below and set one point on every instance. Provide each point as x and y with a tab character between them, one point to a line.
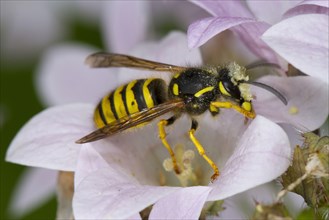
249	31
303	41
295	136
48	139
270	11
307	97
88	161
224	8
263	153
315	2
308	7
245	25
186	203
250	34
63	77
202	30
112	193
29	194
183	13
27	27
125	24
243	205
136	216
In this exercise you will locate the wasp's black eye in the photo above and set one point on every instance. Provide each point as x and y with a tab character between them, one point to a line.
228	88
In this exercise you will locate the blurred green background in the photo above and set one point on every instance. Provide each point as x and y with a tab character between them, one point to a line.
19	100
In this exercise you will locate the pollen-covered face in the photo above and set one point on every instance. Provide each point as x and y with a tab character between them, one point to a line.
231	85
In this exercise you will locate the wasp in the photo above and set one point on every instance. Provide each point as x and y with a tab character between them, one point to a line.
191	90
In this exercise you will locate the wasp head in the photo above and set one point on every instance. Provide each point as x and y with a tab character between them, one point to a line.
231	84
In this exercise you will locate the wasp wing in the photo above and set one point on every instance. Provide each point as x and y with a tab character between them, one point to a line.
132	120
102	59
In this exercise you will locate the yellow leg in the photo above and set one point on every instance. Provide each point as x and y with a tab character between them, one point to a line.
162	136
248	114
202	151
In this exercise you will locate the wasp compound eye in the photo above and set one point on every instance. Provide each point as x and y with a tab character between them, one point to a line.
226	87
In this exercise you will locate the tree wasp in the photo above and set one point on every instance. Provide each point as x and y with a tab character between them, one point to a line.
192	90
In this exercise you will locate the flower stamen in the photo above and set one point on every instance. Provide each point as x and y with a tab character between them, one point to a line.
184	161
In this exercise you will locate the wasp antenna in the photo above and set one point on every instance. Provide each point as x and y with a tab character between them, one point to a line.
262	63
270	89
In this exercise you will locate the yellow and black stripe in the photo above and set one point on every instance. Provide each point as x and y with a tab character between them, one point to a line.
130	98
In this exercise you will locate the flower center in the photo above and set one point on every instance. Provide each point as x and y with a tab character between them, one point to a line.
187	176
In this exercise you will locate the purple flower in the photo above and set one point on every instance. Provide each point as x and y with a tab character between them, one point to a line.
298	32
119	176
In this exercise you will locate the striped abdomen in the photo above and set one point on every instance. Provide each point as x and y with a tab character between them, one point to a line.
130	98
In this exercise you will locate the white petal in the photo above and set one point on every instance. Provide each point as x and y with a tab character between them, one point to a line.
307	97
111	193
63	77
48	139
224	8
136	216
202	30
88	161
28	27
250	34
295	40
125	24
186	203
270	11
263	153
30	194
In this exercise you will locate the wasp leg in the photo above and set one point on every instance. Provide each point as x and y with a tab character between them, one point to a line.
248	114
162	136
202	151
213	110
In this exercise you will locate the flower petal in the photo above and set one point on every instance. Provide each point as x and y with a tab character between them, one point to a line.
270	11
223	8
63	77
186	203
202	30
250	34
123	18
263	153
243	204
112	193
308	7
307	97
30	194
28	27
294	40
249	31
48	139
